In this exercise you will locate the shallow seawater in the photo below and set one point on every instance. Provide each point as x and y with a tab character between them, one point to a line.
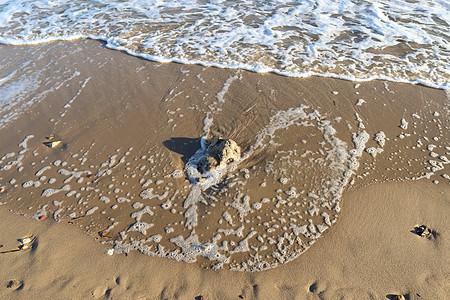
398	40
121	166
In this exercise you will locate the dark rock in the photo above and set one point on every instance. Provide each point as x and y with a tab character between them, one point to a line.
219	153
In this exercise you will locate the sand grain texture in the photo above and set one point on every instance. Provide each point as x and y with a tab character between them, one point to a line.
128	126
370	254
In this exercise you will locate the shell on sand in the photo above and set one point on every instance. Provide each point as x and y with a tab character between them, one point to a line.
423	231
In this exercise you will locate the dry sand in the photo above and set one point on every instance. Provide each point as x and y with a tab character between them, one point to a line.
101	103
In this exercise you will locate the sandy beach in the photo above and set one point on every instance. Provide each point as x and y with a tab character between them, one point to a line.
348	169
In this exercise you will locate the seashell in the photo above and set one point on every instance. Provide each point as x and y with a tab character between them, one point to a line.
52	144
26	243
26	240
42	217
25	246
423	231
103	233
109	251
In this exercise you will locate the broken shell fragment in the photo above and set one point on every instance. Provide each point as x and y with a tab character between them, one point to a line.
26	243
2	189
24	246
103	233
423	231
26	240
52	144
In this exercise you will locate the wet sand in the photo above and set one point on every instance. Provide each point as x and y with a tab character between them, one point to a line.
369	254
124	120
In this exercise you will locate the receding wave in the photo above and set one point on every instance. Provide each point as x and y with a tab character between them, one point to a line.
403	41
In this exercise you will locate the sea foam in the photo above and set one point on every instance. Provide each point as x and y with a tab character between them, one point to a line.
356	40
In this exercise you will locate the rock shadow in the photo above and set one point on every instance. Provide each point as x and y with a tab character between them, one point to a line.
34	244
184	146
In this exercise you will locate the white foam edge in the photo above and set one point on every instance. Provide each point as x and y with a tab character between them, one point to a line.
113	43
